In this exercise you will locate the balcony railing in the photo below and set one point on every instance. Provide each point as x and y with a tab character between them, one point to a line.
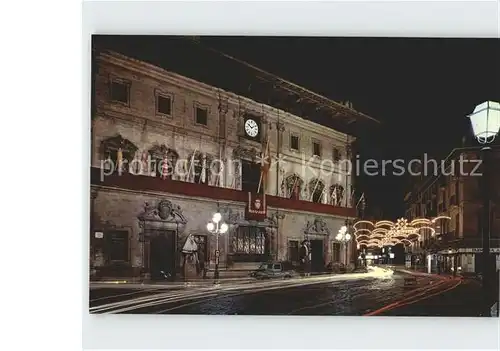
157	184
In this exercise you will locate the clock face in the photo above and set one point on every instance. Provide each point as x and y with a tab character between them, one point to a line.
251	128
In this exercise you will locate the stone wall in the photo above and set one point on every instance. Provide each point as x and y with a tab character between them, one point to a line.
120	209
116	209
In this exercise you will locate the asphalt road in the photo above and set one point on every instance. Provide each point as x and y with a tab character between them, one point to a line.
346	295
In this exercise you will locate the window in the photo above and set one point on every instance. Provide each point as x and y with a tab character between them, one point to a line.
294	142
336	155
118	245
293	250
120	91
277	266
164	105
249	241
250	176
316	148
201	115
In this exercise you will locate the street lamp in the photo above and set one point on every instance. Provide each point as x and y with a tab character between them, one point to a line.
344	237
485	121
217	227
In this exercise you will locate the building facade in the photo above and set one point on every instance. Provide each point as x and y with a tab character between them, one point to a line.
454	191
168	152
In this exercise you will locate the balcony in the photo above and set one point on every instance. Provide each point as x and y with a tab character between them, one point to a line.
157	184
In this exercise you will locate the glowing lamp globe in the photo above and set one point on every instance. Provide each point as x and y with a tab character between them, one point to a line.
217	217
338	237
348	237
210	226
485	121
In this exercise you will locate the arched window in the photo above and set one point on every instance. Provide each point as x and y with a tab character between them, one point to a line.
292	186
163	161
316	189
111	148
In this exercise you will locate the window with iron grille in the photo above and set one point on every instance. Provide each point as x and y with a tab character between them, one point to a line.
249	241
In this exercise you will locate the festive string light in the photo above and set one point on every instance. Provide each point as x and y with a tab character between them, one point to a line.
387	233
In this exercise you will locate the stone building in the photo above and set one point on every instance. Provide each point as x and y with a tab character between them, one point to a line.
169	151
455	192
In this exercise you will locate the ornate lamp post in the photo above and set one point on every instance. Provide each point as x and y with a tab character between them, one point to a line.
344	237
485	121
217	227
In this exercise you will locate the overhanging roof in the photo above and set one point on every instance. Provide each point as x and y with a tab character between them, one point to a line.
189	57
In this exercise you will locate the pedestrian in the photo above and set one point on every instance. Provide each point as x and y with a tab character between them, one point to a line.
202	263
304	257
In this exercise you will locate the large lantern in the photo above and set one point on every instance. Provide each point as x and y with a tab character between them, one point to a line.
485	121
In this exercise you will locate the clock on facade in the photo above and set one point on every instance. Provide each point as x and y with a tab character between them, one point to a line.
251	128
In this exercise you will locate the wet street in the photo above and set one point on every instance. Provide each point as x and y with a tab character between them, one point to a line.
349	294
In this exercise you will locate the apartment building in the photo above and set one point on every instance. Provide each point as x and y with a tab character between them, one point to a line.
454	190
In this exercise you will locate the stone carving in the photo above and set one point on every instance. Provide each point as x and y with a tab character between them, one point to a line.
273	217
117	142
160	151
164	211
231	216
317	226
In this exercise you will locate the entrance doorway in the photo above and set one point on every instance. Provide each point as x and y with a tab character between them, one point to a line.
162	255
317	258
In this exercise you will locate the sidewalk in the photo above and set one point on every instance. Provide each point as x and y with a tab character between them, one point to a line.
136	283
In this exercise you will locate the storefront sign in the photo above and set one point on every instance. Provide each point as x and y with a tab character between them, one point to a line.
478	250
99	235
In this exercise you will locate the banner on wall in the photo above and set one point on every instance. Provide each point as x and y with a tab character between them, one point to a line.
256	206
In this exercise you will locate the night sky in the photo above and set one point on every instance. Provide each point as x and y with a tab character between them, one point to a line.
420	89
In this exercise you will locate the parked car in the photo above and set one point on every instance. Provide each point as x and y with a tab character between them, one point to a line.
273	270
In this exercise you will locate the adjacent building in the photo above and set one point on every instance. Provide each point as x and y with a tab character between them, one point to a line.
169	151
454	191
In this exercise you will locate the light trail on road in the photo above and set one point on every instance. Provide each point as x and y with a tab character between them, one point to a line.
210	294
